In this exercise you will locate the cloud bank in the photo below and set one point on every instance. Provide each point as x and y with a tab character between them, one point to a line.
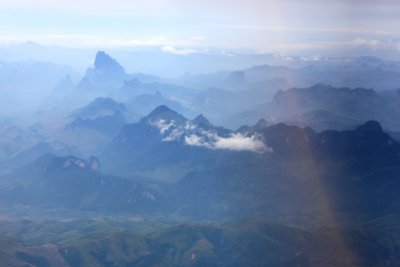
173	50
192	135
234	142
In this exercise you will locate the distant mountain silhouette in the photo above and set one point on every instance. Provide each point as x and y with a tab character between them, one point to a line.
324	107
74	183
105	76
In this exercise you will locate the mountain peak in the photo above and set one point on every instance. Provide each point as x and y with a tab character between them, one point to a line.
162	109
104	62
106	102
100	106
201	120
262	123
371	126
165	113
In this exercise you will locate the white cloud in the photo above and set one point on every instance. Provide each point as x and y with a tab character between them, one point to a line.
173	50
174	135
240	142
195	140
235	142
198	136
162	125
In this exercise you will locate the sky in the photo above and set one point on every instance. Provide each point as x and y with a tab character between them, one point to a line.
185	27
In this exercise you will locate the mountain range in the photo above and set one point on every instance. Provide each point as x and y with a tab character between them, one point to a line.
234	98
346	179
325	107
171	165
292	164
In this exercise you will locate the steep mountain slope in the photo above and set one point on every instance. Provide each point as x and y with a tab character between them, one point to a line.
367	72
91	127
168	143
72	183
144	104
102	114
337	189
21	146
272	171
106	74
324	107
24	84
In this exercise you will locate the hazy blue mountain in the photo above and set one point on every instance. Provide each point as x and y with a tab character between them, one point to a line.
100	80
214	103
99	107
93	126
35	151
141	92
27	82
324	97
20	146
105	75
217	103
321	120
151	60
74	183
304	169
346	179
325	107
108	78
108	125
367	72
14	139
134	87
234	81
61	91
223	95
215	173
163	134
272	165
255	86
175	189
144	104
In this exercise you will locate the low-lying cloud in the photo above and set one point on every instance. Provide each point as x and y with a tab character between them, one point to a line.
194	136
173	50
234	142
239	142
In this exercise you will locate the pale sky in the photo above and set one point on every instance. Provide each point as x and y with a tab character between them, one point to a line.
267	25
